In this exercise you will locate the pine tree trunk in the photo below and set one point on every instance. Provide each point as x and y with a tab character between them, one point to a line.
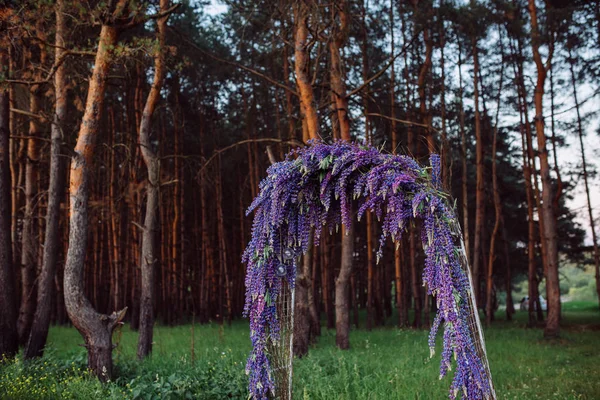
41	321
342	295
480	189
302	63
550	236
464	172
29	249
9	340
489	309
95	328
150	252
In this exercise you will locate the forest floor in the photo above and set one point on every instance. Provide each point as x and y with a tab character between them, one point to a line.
386	363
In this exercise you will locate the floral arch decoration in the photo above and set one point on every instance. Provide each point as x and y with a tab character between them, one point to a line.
313	189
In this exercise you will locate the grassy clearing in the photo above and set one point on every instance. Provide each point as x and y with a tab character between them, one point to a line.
383	364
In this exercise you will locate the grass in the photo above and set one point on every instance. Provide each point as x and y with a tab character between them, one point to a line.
386	363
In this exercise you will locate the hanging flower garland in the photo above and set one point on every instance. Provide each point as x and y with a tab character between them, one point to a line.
314	188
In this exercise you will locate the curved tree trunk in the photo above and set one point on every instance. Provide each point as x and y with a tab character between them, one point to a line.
150	252
96	328
302	58
41	320
550	235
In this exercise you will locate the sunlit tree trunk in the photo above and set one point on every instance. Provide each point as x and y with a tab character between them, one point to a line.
95	328
550	236
302	63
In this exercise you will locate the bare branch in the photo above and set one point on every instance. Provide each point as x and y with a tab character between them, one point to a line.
403	121
385	68
292	142
235	64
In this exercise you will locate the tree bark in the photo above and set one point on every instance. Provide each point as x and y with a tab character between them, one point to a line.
9	340
489	309
95	328
302	57
41	321
342	295
150	252
29	249
550	236
464	172
480	190
338	84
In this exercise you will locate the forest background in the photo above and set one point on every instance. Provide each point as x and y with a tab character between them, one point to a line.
134	135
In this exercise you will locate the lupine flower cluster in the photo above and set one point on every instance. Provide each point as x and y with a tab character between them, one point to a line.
315	189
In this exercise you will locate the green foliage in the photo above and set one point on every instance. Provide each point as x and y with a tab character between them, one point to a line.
383	364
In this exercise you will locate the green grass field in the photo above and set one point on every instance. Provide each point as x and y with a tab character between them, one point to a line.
386	363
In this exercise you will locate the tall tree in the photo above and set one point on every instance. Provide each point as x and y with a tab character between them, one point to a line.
96	328
9	343
41	320
549	234
29	248
480	184
150	251
338	86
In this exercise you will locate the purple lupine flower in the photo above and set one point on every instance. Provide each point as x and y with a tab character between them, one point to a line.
313	190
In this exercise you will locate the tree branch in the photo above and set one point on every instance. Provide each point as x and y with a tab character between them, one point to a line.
292	142
385	68
235	64
402	121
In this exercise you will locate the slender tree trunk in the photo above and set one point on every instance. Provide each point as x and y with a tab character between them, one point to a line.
445	153
302	326
342	300
372	290
338	86
95	328
559	182
510	307
224	265
489	309
29	250
41	321
585	176
150	252
302	63
399	279
550	236
480	190
463	140
9	340
424	70
310	125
